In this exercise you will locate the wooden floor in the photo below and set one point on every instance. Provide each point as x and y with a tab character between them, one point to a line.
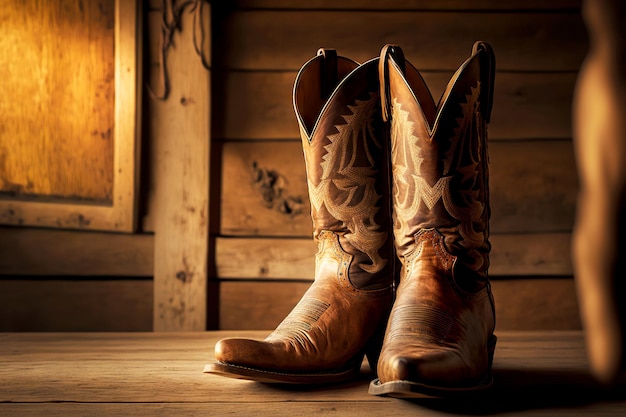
127	374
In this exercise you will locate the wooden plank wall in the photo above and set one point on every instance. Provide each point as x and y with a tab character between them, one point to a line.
263	247
179	130
259	210
65	280
155	279
54	279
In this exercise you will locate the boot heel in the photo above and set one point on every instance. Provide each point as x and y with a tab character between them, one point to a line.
373	348
491	348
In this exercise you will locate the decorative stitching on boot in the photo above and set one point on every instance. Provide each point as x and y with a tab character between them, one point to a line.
431	324
436	240
342	181
297	325
410	186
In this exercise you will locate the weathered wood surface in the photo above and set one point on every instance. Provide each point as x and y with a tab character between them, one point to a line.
533	186
258	105
65	304
180	128
431	40
48	252
602	405
521	304
536	373
294	258
69	148
123	304
461	5
264	227
538	47
30	252
46	152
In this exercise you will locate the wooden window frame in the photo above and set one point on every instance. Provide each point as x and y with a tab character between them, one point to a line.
121	214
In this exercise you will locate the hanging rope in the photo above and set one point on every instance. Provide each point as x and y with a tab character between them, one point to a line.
171	21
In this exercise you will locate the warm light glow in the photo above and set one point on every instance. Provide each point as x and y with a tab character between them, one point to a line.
57	107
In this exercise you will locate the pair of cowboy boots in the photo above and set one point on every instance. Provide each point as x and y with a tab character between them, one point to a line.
400	207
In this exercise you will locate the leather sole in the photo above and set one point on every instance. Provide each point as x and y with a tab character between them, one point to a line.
276	377
410	389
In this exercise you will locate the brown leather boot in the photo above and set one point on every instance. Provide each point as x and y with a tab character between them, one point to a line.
343	314
439	338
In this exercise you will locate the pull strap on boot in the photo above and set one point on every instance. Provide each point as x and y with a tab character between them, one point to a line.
440	336
343	314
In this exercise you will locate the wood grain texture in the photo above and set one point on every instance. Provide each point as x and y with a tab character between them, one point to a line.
263	190
536	374
536	304
533	187
408	4
542	403
90	71
431	40
57	106
127	374
43	252
294	258
521	304
265	258
180	128
258	105
64	304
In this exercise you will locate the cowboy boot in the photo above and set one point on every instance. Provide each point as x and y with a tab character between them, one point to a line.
439	338
342	315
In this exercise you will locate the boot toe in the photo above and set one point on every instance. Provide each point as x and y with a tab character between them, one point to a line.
224	350
436	368
239	351
400	368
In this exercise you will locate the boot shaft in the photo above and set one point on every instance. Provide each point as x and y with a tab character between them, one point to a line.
345	148
439	156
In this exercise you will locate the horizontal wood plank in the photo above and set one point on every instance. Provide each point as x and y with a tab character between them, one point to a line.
433	40
289	258
344	408
536	304
52	305
126	374
533	188
408	4
161	374
263	189
258	105
134	367
265	258
521	304
26	251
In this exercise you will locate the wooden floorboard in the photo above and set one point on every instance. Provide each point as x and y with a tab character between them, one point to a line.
114	374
